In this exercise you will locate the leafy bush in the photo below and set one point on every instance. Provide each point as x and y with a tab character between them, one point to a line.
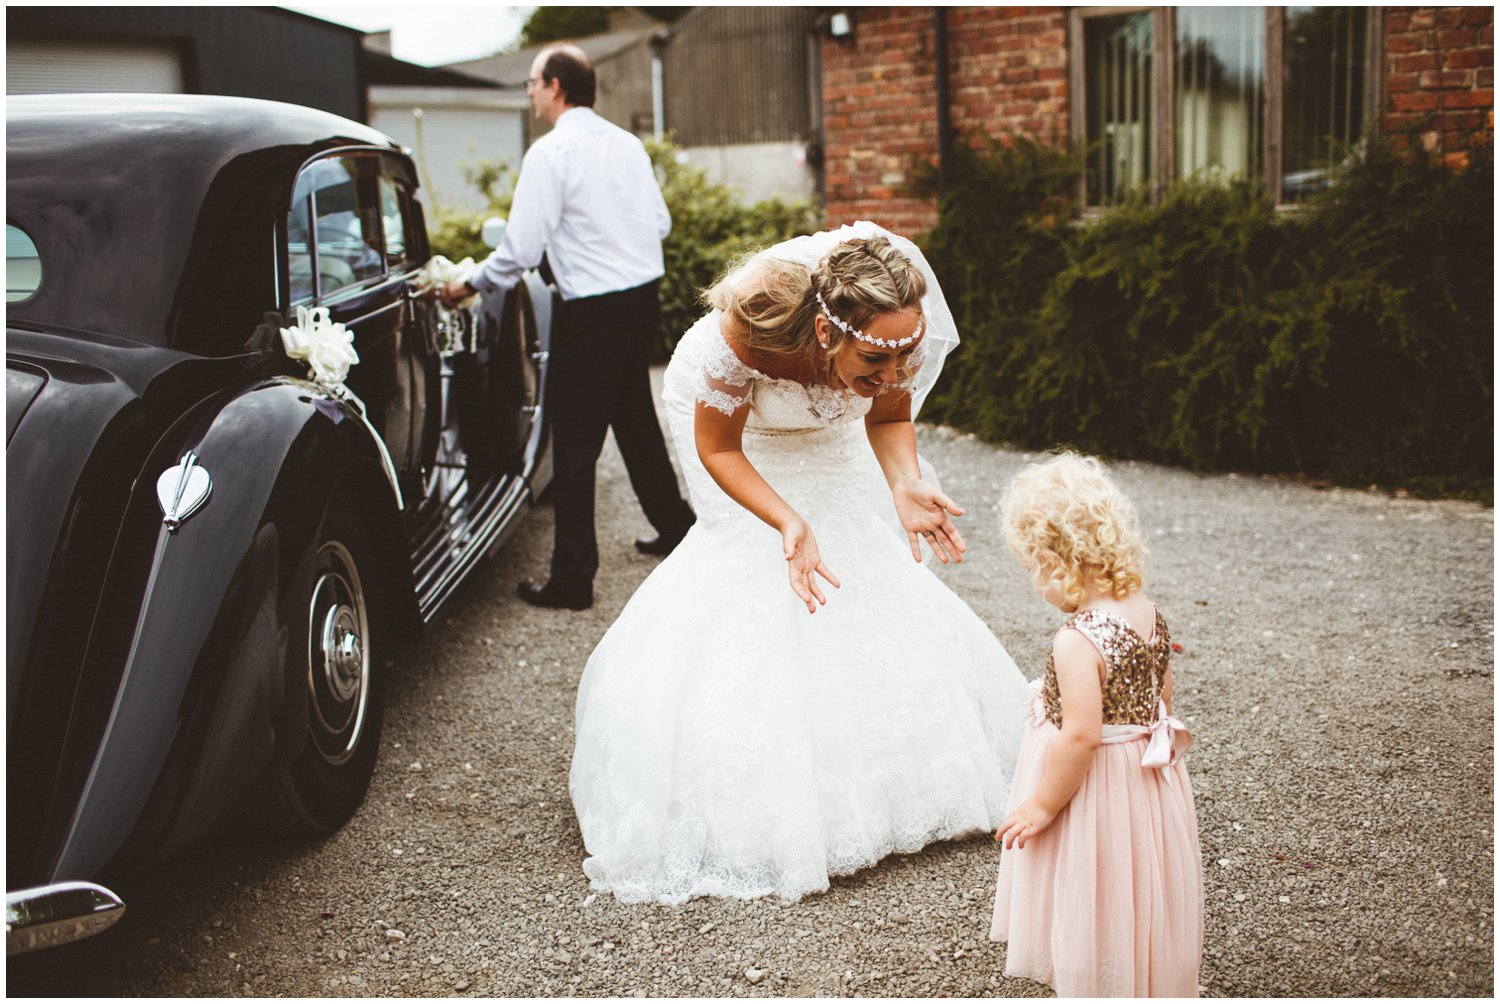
453	233
1350	338
1400	285
710	229
1002	235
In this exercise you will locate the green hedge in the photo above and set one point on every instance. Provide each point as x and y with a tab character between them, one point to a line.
453	233
1349	338
710	229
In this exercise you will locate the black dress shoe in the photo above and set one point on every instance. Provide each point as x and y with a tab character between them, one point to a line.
551	595
659	545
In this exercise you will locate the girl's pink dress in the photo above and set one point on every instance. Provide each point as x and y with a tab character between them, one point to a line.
1108	900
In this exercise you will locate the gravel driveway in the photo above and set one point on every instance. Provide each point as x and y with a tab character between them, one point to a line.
1337	670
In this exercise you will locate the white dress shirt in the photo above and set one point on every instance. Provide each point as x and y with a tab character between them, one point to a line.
588	197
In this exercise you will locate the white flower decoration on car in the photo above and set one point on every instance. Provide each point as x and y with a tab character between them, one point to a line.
439	271
323	343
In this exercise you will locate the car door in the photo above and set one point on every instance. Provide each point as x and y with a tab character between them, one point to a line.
354	241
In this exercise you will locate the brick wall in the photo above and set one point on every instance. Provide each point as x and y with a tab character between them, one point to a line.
1007	71
879	117
1440	76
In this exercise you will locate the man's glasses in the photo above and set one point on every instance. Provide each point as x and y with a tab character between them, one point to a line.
532	83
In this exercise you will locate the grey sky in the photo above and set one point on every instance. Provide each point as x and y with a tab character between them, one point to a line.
430	34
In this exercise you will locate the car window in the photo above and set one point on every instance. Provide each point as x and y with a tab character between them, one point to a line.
345	243
23	265
393	213
299	246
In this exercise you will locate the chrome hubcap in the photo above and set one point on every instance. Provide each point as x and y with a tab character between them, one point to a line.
343	653
338	661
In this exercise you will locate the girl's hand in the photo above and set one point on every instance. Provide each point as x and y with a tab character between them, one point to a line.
803	563
1025	822
924	513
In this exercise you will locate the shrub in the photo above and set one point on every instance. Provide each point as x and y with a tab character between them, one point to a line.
710	229
1002	234
454	233
1350	338
1400	291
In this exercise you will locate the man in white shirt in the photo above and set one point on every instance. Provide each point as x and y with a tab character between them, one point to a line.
587	197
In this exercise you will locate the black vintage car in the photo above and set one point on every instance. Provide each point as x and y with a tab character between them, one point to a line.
209	551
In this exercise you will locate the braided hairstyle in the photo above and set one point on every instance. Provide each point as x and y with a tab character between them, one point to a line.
774	308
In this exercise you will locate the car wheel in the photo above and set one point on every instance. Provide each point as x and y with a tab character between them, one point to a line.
344	692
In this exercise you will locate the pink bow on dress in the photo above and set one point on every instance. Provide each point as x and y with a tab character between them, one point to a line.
1162	750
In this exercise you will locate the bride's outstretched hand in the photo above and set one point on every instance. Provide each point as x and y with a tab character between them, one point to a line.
924	512
804	564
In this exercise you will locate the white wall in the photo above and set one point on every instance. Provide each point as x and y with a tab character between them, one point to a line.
758	170
456	126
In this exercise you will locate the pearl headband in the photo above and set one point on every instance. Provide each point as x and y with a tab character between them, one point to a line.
850	329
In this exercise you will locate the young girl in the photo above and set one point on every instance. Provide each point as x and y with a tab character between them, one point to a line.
1100	890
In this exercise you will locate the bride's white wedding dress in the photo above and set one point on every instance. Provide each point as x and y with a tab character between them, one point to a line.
730	744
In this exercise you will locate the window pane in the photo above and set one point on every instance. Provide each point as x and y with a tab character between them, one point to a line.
299	246
1117	69
347	223
1324	92
394	221
1220	89
23	265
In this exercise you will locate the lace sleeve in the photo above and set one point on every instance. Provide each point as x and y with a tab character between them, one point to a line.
723	382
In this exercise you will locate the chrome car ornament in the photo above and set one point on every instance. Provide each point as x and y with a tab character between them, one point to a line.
181	490
57	914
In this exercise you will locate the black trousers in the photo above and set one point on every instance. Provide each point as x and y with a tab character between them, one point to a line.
598	378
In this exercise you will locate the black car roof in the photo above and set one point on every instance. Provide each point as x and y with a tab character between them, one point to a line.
153	213
136	122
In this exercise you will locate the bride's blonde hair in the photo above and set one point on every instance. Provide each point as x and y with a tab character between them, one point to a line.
1065	514
771	301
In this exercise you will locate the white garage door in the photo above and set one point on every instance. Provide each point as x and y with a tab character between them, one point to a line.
33	67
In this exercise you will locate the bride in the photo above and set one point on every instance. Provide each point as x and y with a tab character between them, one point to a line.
729	744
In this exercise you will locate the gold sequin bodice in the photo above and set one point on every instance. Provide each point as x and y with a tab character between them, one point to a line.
1134	668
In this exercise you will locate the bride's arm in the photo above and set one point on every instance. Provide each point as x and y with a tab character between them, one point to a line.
923	509
719	439
720	447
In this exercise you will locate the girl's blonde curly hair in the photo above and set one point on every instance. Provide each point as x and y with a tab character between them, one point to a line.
1065	514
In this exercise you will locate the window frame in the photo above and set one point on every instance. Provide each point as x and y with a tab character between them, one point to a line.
412	223
1164	97
321	297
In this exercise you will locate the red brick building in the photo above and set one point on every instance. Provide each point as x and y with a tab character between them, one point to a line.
1154	92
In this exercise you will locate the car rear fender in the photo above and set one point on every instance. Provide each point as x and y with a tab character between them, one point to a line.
206	702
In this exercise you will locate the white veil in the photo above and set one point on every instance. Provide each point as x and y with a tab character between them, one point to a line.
942	332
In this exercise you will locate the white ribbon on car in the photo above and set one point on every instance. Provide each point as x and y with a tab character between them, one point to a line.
439	271
433	276
325	345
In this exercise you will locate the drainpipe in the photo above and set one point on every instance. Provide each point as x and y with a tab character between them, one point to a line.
658	100
944	123
815	159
